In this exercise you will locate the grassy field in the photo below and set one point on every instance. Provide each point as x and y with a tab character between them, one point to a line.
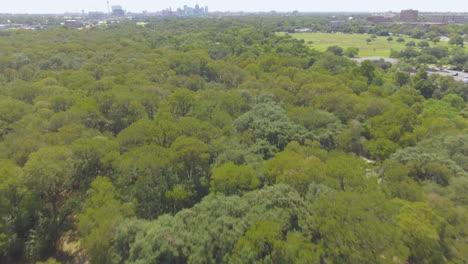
378	47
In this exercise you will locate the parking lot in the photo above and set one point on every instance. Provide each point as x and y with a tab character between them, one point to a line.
461	75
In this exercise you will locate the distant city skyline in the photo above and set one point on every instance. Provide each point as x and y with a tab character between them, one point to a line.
63	6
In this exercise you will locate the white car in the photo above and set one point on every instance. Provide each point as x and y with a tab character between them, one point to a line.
465	81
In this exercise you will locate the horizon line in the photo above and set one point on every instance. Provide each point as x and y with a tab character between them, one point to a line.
232	11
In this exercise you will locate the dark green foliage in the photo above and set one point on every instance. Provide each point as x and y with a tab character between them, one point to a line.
423	44
402	78
268	121
337	50
456	39
437	157
207	232
367	70
351	52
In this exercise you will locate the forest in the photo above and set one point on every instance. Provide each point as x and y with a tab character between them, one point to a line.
216	140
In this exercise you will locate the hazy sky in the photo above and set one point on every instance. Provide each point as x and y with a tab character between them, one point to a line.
60	6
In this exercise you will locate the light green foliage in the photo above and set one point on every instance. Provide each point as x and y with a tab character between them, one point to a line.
347	172
434	108
292	168
408	96
370	234
421	228
27	137
192	127
69	133
257	242
351	52
379	46
14	204
181	102
232	179
325	91
455	101
459	190
50	173
165	132
265	242
192	156
454	226
296	249
49	261
101	214
50	170
141	132
88	112
13	110
434	126
393	123
382	148
2	240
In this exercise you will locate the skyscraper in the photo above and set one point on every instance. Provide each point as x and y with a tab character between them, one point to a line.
118	11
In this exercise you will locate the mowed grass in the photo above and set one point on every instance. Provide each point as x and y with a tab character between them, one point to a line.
378	47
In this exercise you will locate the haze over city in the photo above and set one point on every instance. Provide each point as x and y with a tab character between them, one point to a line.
58	6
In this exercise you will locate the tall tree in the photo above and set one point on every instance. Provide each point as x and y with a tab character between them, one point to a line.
101	214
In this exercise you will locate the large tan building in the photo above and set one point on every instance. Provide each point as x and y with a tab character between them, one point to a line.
409	15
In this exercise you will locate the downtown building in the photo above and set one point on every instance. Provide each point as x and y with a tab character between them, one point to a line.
409	16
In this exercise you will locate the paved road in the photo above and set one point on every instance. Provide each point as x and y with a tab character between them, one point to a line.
460	77
392	61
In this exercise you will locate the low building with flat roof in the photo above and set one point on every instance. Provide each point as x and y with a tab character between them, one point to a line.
380	19
448	18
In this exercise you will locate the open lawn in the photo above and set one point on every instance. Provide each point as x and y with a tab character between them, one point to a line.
378	47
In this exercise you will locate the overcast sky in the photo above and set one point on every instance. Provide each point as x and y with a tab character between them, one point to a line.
61	6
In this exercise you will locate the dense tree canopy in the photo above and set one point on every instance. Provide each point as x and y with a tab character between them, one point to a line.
216	140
